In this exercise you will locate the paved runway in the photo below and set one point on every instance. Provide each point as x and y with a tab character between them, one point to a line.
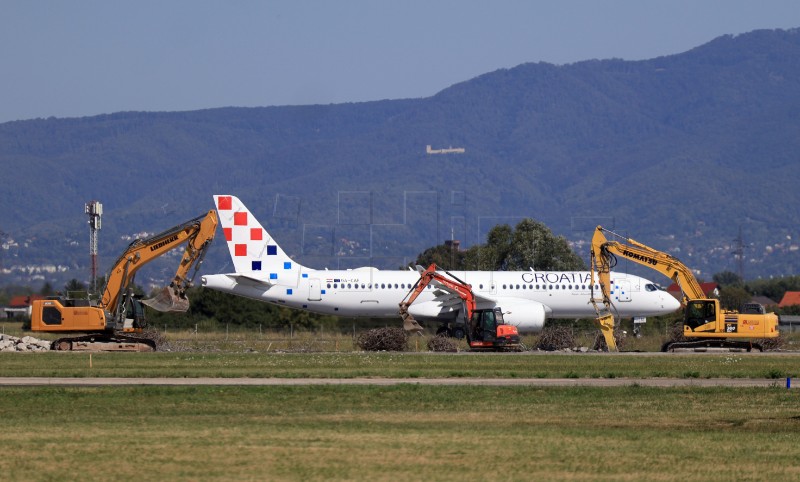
498	382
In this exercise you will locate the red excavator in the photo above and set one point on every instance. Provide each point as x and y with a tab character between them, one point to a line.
484	328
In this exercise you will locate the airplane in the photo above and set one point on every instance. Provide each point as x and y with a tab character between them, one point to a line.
263	271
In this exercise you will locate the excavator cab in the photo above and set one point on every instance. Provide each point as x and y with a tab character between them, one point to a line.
134	316
700	312
483	324
488	329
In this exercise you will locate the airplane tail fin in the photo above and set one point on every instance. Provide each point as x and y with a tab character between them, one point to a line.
253	251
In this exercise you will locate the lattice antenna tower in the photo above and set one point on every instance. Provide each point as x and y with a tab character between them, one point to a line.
738	254
95	210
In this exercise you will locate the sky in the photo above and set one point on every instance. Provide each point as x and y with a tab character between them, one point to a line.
88	57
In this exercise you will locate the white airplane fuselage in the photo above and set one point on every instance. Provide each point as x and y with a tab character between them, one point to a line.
527	298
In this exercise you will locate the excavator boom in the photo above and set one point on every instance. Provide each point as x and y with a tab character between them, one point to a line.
196	233
116	310
430	274
704	317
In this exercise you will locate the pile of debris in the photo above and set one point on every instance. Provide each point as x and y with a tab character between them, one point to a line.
442	343
383	339
619	338
26	343
556	337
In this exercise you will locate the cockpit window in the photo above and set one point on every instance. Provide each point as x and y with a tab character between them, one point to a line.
654	287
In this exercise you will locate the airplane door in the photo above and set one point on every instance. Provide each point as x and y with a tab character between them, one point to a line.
314	291
489	287
623	290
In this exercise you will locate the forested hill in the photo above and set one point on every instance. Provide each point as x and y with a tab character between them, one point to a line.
679	152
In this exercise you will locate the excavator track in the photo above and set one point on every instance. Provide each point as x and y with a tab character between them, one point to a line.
102	342
712	344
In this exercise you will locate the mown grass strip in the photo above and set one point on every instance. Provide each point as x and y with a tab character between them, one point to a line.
404	432
399	365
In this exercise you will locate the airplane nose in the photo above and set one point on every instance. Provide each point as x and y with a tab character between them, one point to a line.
670	303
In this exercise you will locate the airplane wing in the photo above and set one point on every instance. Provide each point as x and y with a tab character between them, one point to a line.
448	297
443	294
242	278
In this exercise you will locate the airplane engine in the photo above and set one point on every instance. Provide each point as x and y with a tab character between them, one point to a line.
433	309
527	316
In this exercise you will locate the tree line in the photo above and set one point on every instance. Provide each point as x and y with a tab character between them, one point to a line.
528	245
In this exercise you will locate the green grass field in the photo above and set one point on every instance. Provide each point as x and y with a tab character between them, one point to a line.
404	432
399	365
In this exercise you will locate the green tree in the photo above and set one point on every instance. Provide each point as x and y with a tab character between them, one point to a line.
100	282
792	310
530	244
47	289
733	297
535	246
728	278
74	285
215	309
774	288
494	254
446	256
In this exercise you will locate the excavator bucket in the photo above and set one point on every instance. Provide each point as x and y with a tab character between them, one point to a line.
167	300
410	324
606	324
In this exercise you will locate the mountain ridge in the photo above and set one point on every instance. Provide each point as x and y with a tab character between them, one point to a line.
678	150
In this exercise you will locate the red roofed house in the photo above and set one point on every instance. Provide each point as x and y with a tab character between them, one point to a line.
790	298
764	301
21	305
710	289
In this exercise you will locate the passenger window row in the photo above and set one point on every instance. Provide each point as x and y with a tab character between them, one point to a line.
381	286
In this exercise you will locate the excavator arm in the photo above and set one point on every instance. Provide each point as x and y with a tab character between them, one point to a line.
196	233
463	290
485	329
603	258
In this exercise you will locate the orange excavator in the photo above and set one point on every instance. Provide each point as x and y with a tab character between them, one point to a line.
485	328
111	323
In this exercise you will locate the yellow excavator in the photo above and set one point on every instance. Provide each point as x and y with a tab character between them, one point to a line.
705	323
110	324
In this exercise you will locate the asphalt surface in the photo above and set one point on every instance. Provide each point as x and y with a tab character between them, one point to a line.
498	382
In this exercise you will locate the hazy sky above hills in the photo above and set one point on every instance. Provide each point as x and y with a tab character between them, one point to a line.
73	59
